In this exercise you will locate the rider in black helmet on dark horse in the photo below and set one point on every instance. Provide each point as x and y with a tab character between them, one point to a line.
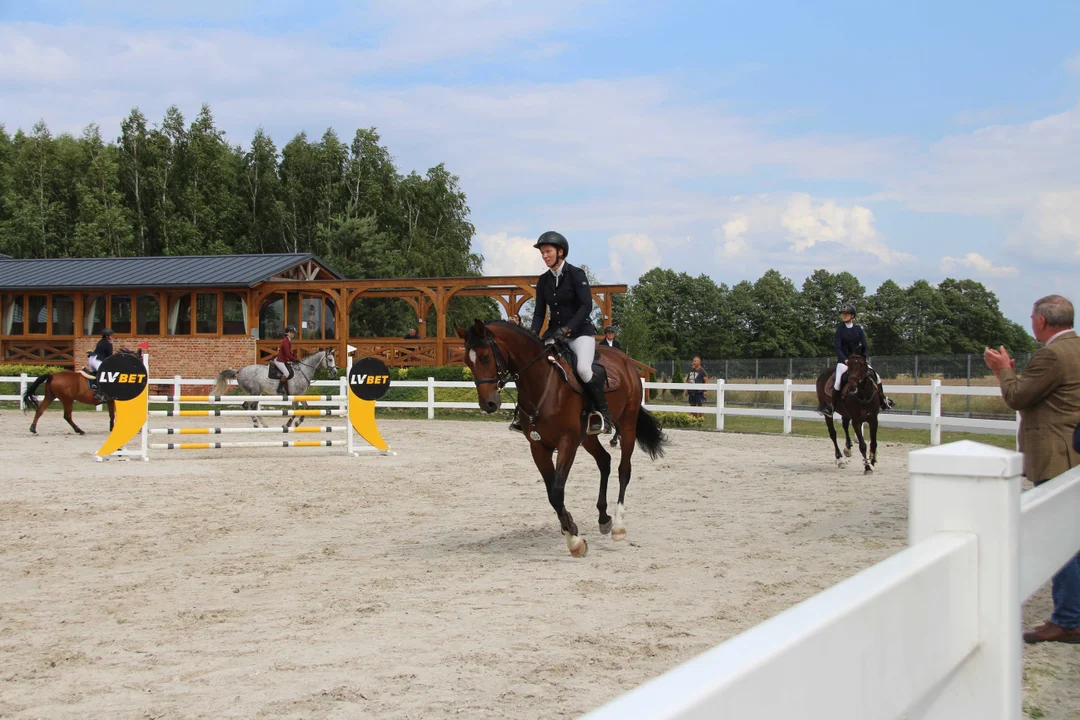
564	293
850	339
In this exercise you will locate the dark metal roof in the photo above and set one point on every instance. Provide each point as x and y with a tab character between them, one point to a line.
188	271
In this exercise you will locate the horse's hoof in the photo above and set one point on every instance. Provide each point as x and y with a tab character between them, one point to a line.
614	441
847	452
618	534
580	549
868	470
605	528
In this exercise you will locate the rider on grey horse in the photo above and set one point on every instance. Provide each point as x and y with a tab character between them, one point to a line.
284	357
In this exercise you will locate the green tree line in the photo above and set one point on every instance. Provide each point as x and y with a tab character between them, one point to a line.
180	188
668	315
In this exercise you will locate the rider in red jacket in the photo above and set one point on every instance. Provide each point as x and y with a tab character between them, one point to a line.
284	356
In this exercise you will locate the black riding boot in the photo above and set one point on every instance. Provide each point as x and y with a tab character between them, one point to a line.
827	410
595	391
886	402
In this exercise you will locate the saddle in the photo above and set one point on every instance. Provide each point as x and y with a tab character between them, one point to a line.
566	364
275	373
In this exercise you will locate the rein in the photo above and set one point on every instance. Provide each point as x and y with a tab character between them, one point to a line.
504	375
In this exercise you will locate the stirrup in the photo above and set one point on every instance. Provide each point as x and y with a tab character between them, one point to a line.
828	410
605	424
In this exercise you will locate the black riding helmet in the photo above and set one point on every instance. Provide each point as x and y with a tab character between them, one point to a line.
106	332
290	328
555	239
848	308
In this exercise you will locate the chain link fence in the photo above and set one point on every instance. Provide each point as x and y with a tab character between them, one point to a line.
898	370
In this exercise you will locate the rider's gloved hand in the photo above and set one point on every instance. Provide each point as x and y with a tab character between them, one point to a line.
562	333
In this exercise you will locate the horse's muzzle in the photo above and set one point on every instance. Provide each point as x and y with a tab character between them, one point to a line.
490	406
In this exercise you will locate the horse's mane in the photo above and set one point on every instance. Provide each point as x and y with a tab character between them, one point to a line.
471	340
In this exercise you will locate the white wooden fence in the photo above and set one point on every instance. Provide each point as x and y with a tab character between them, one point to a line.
934	421
933	631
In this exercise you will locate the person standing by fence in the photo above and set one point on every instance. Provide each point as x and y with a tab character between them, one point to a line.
1047	396
696	374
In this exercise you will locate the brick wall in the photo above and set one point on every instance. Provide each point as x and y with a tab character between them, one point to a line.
190	357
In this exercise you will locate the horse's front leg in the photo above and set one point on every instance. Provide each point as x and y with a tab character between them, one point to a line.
556	490
847	436
862	448
603	461
112	414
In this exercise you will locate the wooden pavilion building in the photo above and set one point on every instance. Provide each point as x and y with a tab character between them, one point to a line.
201	314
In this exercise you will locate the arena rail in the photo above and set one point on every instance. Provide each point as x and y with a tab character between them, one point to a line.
932	632
934	421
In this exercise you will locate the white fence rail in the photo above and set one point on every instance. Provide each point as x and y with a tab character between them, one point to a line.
934	421
933	631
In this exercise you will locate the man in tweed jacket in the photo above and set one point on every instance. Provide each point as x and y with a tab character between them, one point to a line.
1047	396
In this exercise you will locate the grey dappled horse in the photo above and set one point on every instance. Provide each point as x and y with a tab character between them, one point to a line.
255	380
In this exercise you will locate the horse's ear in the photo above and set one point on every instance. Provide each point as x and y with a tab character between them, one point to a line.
479	328
460	331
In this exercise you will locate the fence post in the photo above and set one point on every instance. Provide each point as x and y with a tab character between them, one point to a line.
787	406
22	390
430	398
720	404
935	412
973	488
176	394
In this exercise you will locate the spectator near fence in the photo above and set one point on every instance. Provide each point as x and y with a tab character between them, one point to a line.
1047	396
697	374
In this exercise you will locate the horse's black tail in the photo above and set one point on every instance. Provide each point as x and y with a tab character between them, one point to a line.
650	436
30	396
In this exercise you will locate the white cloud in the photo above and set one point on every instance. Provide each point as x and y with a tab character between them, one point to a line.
733	232
977	263
630	255
852	227
994	170
1051	226
509	255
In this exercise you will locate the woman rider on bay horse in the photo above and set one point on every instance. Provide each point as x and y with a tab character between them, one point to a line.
851	340
564	292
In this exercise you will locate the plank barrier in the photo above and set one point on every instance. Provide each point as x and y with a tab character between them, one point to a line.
355	399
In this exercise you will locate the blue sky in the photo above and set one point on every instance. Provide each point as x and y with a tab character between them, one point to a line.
919	140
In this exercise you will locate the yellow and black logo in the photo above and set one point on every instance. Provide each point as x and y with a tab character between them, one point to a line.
123	378
369	379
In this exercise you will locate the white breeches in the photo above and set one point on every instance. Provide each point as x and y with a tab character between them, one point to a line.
282	367
585	349
841	368
93	362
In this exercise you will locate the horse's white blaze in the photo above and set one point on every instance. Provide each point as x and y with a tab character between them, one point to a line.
472	356
618	523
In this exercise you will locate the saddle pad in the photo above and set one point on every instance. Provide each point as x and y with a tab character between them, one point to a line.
614	380
829	384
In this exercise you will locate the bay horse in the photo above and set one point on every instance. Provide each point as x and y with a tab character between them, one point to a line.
255	380
552	418
859	403
68	387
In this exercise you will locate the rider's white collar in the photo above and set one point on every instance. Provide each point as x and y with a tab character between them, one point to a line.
849	324
558	270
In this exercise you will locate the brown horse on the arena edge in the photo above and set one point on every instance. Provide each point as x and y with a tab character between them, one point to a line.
68	387
858	403
552	415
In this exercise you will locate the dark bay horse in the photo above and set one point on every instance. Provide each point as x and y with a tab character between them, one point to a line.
68	387
859	402
551	415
